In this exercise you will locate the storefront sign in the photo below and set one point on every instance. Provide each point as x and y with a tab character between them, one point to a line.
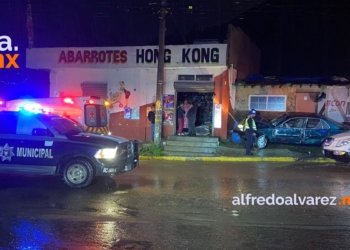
127	57
217	115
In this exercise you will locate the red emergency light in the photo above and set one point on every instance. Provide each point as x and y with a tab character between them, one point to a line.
1	102
91	102
68	100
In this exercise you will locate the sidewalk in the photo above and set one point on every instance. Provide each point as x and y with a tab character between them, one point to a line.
231	152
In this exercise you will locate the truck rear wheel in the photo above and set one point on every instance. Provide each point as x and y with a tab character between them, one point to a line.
78	173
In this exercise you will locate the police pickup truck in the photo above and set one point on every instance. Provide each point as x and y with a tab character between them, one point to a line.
46	144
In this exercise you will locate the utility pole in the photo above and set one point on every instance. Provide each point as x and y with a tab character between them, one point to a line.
160	77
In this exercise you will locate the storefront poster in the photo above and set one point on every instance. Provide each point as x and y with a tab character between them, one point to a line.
168	117
168	101
132	113
127	113
217	115
135	113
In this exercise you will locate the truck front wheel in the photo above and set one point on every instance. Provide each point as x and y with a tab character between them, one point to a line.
78	173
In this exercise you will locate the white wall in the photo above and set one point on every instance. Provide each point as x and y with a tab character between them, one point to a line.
140	82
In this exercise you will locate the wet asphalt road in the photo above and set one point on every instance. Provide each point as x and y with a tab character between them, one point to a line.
178	205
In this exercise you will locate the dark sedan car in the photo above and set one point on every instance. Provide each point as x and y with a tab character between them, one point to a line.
294	128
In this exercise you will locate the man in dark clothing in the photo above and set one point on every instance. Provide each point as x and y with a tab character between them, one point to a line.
151	118
180	119
191	116
250	131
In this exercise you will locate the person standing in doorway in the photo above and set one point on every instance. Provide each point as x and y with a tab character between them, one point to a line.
151	118
250	131
180	118
186	108
191	116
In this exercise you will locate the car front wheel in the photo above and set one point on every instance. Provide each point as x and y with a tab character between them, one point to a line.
78	173
262	141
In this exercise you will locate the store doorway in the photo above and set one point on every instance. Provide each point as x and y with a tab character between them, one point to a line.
204	117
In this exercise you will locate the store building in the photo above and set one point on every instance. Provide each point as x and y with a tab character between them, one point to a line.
127	77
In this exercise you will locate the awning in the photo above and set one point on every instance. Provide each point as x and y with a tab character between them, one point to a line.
194	86
94	89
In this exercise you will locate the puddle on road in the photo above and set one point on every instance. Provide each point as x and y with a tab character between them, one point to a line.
33	234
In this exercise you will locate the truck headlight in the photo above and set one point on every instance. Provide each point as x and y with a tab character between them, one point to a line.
106	153
342	143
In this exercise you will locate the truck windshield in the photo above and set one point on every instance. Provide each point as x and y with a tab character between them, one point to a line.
65	126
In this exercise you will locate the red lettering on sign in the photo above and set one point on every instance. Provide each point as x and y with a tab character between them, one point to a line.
62	57
123	57
79	57
87	56
102	56
93	56
116	56
109	56
70	55
335	103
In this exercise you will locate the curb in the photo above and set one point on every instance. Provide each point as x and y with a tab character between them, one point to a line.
236	159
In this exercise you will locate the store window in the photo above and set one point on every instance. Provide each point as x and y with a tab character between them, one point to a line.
186	77
195	77
204	77
267	102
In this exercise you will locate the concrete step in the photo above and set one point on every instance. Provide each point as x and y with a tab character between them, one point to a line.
189	149
189	154
193	138
193	144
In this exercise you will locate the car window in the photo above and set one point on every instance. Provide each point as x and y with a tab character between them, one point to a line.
26	124
8	124
65	126
325	125
314	123
279	119
294	123
261	125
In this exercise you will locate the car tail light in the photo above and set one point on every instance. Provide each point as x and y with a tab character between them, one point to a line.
328	141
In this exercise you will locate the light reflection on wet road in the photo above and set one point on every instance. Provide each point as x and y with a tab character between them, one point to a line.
178	205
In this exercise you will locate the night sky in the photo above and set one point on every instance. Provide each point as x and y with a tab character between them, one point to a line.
296	37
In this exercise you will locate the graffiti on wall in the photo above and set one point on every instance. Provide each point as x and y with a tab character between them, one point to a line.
121	96
338	103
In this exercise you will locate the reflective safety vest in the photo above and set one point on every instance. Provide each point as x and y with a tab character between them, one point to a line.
246	125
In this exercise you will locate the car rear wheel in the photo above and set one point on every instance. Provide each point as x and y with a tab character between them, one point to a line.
262	141
78	173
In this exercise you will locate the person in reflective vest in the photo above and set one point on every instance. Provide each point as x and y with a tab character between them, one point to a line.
250	131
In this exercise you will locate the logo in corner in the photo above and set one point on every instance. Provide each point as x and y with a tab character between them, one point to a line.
6	152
